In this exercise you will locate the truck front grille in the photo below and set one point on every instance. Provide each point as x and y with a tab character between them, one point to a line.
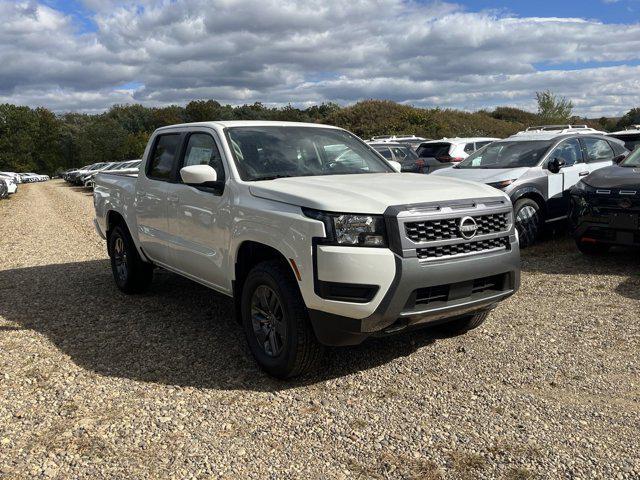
440	251
448	228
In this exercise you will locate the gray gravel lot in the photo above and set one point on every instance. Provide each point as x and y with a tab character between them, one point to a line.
95	384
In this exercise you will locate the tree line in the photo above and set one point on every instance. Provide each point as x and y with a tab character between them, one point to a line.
36	139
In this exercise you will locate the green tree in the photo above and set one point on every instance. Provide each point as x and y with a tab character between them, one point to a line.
632	117
553	109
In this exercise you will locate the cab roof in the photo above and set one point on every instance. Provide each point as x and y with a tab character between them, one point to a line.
248	123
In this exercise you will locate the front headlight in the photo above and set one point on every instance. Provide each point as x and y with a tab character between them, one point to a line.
351	229
501	185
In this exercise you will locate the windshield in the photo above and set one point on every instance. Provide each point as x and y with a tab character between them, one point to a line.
633	160
265	152
507	155
96	166
435	150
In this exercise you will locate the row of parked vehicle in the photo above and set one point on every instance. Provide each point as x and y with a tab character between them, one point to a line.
547	172
84	177
9	181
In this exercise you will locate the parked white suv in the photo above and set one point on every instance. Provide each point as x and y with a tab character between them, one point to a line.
316	237
452	150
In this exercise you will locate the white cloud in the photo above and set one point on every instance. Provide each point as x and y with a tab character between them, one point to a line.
300	51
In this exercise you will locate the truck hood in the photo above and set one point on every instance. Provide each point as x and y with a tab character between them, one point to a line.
484	175
368	193
615	177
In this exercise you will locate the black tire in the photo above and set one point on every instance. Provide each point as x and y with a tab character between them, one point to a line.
130	273
592	249
529	221
464	324
288	346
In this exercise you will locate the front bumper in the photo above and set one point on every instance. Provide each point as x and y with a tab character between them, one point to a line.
612	226
424	293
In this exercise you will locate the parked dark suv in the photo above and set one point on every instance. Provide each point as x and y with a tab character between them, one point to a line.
605	207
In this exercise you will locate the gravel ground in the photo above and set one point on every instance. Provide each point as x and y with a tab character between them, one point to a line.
95	384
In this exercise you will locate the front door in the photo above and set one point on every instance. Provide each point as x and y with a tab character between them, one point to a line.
570	151
199	217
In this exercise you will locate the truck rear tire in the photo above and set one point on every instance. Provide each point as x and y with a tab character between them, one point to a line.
130	273
464	324
529	221
276	323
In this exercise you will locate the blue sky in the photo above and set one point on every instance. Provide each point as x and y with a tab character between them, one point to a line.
85	55
621	11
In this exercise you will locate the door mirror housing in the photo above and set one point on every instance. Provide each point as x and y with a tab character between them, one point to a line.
555	165
395	165
619	159
199	176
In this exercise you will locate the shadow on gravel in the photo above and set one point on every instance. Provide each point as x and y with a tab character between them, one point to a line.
560	256
179	333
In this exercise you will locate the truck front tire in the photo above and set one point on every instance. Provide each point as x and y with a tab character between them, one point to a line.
130	273
276	323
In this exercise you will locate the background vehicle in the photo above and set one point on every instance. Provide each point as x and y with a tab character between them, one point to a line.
4	190
75	176
630	136
451	150
410	140
10	181
130	166
401	153
316	237
605	207
537	168
15	176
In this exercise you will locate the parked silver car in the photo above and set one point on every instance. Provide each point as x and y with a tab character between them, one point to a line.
537	168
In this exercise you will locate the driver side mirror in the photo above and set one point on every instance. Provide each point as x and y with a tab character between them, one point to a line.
199	176
619	159
395	165
555	165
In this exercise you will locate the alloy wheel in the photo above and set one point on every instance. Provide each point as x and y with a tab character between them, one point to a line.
267	318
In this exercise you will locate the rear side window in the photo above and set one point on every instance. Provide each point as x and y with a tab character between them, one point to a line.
434	150
479	145
597	150
202	150
618	149
385	152
163	156
469	148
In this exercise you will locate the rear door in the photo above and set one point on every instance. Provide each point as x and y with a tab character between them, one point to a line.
199	217
151	196
598	153
570	151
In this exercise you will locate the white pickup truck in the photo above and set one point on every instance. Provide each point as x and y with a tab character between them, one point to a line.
315	235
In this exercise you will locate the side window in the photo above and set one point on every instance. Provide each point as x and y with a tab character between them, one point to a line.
569	151
202	150
618	149
399	153
479	145
385	152
469	148
597	150
163	156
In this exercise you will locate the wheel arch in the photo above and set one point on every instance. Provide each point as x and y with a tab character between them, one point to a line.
531	193
248	254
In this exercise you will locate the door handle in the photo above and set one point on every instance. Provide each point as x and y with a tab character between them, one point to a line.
584	174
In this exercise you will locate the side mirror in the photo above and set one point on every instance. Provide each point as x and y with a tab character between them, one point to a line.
395	165
199	176
555	165
619	158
